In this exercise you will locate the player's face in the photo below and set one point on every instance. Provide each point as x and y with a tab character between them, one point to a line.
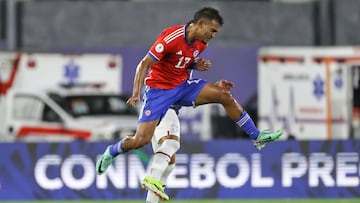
208	30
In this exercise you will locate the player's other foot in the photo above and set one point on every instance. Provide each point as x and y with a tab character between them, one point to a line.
265	137
104	161
155	186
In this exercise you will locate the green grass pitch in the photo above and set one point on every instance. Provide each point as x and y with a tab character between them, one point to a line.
202	201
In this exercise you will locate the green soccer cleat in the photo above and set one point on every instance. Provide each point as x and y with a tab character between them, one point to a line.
104	162
155	186
265	137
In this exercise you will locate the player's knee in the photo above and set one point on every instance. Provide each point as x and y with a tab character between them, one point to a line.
169	147
226	95
226	98
175	145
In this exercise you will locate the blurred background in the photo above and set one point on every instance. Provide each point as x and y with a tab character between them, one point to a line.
66	71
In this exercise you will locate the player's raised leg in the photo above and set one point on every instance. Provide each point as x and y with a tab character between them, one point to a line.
211	93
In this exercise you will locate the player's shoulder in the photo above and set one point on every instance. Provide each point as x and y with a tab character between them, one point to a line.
174	28
171	33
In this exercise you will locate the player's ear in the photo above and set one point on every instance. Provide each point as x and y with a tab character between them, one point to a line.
201	22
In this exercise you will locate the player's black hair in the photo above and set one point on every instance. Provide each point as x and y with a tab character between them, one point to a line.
208	13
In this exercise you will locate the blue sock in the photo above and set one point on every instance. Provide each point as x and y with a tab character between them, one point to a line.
248	126
116	149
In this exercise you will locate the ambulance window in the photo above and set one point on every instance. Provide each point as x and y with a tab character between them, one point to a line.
49	115
93	105
117	105
27	108
98	105
79	106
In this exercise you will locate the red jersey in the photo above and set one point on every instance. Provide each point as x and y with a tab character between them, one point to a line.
174	54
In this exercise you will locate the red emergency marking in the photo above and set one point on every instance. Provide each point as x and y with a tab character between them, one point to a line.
31	63
112	64
310	110
45	131
336	59
4	86
282	59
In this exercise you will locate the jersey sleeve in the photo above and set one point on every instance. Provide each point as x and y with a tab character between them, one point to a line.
158	49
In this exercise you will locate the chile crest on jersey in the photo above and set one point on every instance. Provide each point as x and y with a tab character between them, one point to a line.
174	55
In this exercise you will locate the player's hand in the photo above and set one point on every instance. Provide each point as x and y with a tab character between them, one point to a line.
133	100
225	84
203	65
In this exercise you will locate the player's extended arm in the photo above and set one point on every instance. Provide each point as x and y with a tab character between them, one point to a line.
140	74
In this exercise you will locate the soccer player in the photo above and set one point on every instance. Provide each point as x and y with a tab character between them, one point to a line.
164	69
166	134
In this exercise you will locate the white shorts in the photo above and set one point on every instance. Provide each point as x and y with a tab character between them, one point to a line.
169	125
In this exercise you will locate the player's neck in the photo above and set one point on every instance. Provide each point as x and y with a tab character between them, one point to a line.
190	31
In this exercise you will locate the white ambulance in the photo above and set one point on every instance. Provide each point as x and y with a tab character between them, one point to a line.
57	97
312	93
